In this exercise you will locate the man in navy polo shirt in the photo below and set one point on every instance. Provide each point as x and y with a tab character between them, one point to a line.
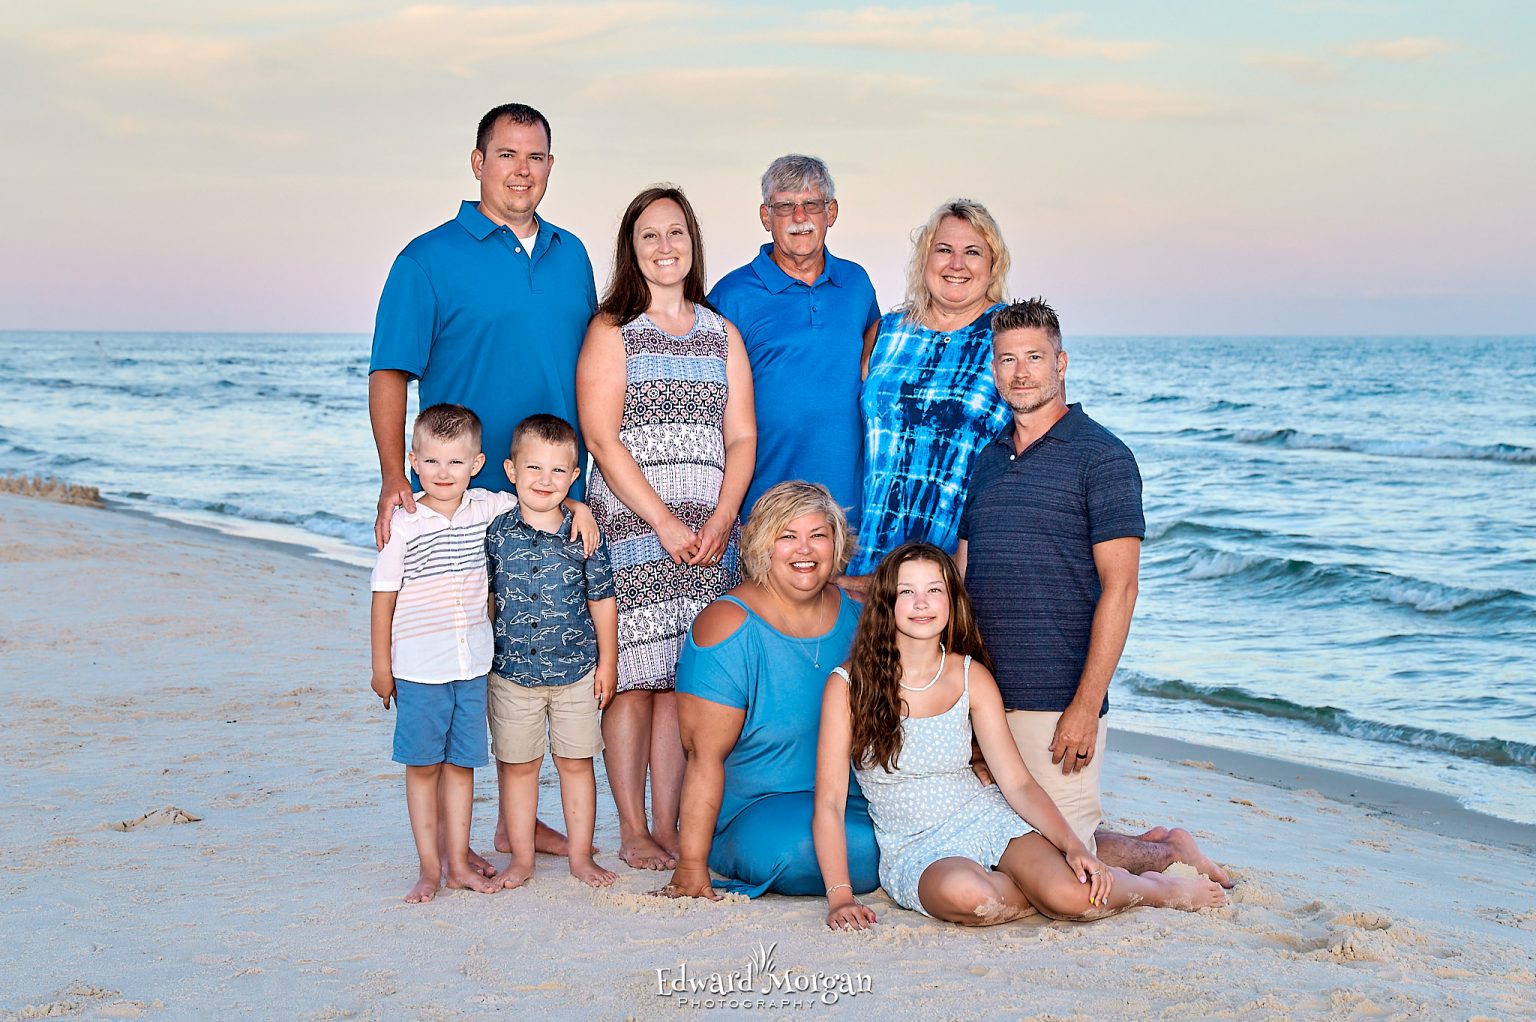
1050	543
802	313
487	311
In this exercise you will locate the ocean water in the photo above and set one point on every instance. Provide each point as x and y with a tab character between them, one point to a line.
1340	565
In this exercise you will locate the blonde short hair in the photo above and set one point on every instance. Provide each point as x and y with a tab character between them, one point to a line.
919	301
778	507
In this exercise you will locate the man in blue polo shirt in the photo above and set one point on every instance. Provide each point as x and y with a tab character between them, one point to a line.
1050	543
802	313
487	311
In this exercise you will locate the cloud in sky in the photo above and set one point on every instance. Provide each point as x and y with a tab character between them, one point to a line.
257	166
962	28
1399	51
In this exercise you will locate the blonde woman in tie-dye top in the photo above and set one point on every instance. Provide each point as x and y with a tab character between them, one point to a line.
928	399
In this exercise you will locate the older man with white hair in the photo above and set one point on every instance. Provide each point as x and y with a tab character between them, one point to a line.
802	313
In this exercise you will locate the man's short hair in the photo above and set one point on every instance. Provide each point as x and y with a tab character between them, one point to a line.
1033	314
447	422
798	173
549	428
519	113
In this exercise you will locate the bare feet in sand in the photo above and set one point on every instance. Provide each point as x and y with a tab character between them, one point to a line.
1188	893
466	878
1185	850
670	843
480	864
546	840
590	873
642	852
515	875
424	891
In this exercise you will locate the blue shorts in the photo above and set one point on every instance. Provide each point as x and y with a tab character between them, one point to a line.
441	723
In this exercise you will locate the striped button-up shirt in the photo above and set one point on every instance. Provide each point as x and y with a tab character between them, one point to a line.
442	625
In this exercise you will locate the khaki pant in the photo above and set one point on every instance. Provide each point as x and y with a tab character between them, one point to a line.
521	715
1075	794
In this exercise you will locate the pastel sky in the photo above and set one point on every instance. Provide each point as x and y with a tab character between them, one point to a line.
1158	168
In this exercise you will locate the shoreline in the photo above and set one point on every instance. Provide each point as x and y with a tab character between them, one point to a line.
1416	807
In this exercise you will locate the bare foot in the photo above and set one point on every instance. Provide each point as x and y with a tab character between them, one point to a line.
480	864
515	875
644	853
424	891
1185	850
1187	893
669	842
466	878
590	873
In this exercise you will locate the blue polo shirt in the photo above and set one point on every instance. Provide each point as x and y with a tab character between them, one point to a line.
1031	521
805	344
479	323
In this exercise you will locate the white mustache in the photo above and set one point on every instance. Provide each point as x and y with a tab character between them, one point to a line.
805	228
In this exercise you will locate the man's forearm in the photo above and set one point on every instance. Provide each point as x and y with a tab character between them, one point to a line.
386	412
1106	641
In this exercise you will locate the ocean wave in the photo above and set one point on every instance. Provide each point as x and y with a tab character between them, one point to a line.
352	531
1444	450
1183	528
1331	719
1226	406
1428	597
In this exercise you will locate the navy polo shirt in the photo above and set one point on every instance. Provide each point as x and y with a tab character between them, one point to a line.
805	344
467	313
1031	521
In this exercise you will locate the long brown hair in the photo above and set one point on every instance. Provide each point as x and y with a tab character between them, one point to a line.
629	294
874	693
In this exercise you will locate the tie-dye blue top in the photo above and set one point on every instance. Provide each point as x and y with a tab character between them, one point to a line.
929	406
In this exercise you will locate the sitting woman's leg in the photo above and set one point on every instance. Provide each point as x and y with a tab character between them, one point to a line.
1040	871
959	890
768	847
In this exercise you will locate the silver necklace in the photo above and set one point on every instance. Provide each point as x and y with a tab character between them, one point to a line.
816	656
936	675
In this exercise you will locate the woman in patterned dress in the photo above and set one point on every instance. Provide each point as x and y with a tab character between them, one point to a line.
928	399
664	392
903	711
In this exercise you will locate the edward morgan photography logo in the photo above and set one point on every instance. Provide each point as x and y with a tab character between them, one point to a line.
760	984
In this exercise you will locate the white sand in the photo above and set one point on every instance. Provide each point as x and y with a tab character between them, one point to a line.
147	668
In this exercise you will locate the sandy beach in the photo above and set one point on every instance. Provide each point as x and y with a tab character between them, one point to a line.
220	685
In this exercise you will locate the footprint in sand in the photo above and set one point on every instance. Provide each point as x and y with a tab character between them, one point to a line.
155	818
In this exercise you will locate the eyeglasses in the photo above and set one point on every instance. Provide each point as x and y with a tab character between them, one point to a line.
812	207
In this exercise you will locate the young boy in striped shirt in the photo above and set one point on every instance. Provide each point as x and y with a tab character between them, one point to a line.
432	645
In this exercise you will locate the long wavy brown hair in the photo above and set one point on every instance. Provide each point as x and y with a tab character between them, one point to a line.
628	292
874	692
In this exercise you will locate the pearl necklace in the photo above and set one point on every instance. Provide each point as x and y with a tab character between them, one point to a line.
936	675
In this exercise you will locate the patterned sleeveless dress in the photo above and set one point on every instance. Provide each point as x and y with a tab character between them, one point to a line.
932	806
673	422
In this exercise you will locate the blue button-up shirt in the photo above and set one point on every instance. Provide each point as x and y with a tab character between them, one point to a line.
542	583
804	343
468	313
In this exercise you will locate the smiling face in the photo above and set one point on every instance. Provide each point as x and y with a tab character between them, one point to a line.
959	266
513	172
921	608
444	468
804	556
1027	368
799	234
542	473
663	248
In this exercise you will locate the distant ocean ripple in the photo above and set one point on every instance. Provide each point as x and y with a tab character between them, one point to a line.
1340	565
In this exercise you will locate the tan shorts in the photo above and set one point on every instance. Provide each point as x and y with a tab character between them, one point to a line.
1075	794
521	715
